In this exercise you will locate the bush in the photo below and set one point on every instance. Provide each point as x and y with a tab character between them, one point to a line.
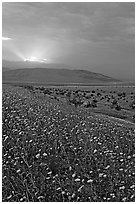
98	94
87	104
118	107
119	94
132	105
41	88
114	102
123	94
76	101
46	91
102	98
87	96
94	103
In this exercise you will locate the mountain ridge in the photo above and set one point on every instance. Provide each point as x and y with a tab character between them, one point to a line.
54	75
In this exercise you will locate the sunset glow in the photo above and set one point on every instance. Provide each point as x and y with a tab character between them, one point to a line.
35	59
6	38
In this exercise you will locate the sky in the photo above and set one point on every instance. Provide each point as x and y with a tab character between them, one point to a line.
99	37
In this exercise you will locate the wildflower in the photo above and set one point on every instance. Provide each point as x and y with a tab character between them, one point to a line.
49	172
90	181
58	189
73	195
73	175
44	154
80	188
70	168
37	156
122	188
107	167
77	179
95	151
132	186
101	174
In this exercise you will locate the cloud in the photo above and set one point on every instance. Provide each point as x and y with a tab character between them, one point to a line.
6	38
95	22
72	32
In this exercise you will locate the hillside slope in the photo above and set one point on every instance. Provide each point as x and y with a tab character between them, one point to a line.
54	76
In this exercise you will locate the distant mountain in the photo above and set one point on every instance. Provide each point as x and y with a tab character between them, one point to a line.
52	75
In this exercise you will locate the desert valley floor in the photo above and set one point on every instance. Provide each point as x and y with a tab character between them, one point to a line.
68	144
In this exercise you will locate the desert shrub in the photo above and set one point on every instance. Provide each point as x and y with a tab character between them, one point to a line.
87	104
46	91
94	103
75	101
95	100
41	88
119	94
118	107
88	95
114	102
62	93
30	88
132	104
68	94
102	98
123	94
98	94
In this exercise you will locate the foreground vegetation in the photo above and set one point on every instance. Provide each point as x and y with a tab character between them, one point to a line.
117	101
56	149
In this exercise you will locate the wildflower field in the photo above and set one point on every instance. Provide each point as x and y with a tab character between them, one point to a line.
57	147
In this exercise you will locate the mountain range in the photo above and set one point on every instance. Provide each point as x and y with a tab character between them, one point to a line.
49	73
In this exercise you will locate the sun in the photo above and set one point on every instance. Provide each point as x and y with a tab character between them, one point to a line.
35	59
